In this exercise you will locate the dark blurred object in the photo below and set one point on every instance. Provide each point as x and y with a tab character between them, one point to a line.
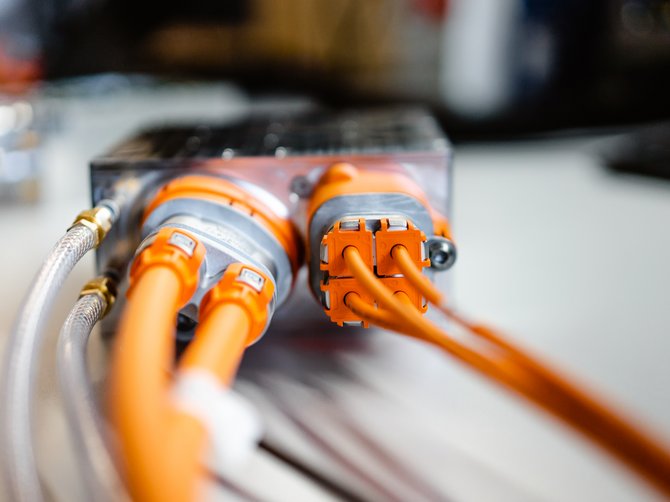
538	64
20	44
646	152
489	66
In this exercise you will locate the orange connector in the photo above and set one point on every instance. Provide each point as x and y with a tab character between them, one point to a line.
370	245
176	250
395	231
345	233
336	290
352	196
441	225
402	285
247	287
343	179
334	293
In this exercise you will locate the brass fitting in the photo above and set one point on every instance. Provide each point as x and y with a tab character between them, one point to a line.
99	219
105	288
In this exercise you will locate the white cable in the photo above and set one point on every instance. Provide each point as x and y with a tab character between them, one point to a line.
233	424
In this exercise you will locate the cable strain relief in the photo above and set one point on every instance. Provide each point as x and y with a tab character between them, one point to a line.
174	249
247	287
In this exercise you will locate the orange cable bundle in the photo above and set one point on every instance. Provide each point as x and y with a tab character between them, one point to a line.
506	364
161	444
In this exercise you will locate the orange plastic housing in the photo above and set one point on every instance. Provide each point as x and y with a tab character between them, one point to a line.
339	238
387	237
254	299
339	279
402	285
345	179
441	225
337	289
176	250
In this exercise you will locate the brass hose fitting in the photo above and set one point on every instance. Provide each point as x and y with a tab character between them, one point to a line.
104	287
98	219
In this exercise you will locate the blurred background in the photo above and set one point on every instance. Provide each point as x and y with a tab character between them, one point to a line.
559	112
496	66
487	68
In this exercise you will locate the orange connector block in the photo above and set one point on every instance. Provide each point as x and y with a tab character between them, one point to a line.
380	243
395	231
335	291
346	233
402	285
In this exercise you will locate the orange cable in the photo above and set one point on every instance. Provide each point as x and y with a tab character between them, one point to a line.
601	424
219	342
406	265
404	261
162	445
420	327
363	309
410	322
512	377
157	443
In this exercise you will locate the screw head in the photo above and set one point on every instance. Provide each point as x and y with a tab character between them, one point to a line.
302	186
442	253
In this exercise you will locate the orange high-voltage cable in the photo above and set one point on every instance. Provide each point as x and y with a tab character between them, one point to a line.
378	317
403	259
411	322
632	446
164	279
585	411
602	424
219	353
234	314
161	445
638	450
405	263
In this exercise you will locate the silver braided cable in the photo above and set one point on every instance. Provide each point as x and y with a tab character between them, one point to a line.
100	476
20	368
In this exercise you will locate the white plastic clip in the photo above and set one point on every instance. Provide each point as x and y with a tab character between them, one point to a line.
233	424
